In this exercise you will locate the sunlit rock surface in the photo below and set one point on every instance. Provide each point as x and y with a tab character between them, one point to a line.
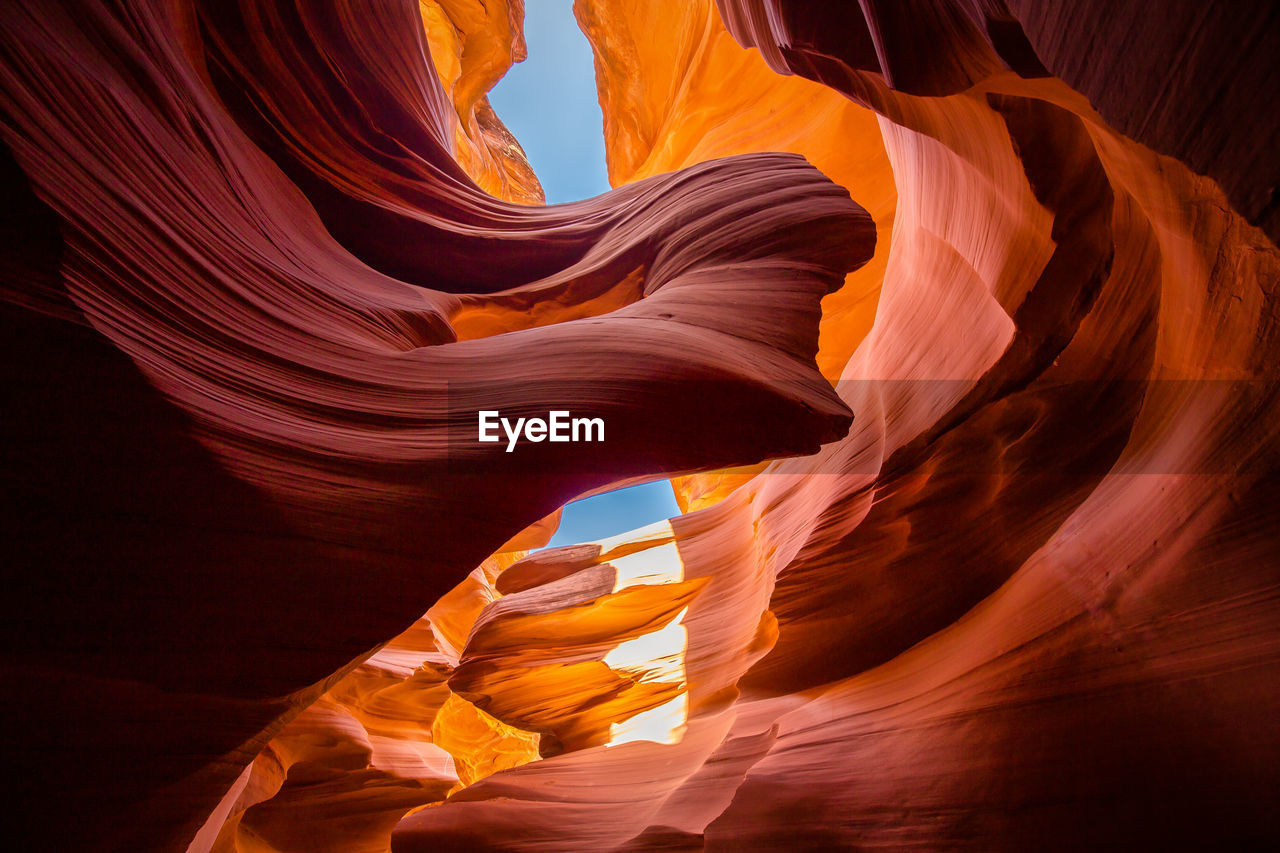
264	261
472	44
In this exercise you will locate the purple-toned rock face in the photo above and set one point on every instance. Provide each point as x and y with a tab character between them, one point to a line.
980	531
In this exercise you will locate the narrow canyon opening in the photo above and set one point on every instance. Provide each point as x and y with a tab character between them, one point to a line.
932	348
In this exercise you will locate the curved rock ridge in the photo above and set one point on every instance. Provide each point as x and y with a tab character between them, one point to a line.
244	454
1027	600
389	737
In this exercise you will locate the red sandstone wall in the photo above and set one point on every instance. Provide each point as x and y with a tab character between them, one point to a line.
263	261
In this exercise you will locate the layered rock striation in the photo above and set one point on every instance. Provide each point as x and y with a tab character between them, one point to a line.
240	457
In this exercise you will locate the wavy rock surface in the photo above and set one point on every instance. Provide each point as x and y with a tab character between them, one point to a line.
246	447
1028	599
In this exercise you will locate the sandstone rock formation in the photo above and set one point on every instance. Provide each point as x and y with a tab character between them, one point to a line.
264	260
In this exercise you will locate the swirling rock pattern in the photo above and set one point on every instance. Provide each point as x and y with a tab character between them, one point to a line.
241	398
264	261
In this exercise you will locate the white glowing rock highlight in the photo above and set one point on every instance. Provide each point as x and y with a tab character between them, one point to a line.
663	724
651	567
657	656
659	531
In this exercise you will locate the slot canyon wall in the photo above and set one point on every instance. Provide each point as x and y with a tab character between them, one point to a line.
953	321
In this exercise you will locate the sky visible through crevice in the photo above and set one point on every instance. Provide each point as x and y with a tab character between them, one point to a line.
549	102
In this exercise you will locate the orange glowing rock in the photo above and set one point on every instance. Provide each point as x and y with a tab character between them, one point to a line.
472	45
480	745
676	90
